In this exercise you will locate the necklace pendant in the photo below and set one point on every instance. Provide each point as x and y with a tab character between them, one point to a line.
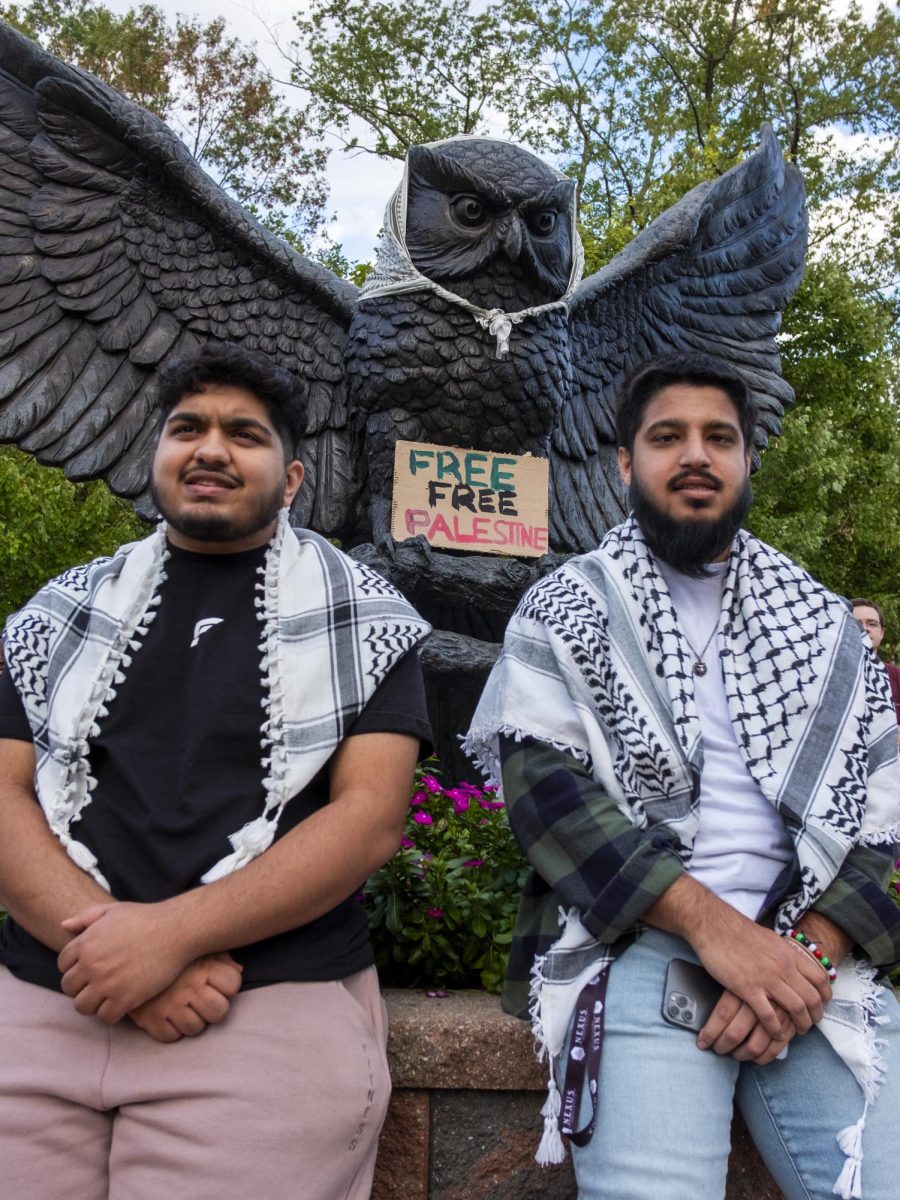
699	667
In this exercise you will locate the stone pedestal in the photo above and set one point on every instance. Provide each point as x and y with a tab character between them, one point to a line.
464	1120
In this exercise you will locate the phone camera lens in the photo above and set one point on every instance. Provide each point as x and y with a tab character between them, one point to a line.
682	1001
674	1012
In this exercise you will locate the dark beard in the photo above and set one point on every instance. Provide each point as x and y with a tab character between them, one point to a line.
211	526
687	546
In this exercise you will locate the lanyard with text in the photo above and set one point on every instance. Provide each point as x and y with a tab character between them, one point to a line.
583	1061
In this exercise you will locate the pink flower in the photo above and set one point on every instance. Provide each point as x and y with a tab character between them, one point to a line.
460	804
436	913
423	818
437	994
491	805
474	862
418	798
406	843
429	782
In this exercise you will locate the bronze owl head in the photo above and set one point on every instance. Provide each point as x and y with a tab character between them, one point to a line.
490	222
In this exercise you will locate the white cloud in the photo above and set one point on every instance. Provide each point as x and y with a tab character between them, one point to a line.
361	185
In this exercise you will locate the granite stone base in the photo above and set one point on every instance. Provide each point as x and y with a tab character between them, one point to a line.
464	1119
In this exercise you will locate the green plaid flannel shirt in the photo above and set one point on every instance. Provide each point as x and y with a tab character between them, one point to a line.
586	854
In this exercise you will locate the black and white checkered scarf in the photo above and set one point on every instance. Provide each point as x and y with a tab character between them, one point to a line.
595	664
330	630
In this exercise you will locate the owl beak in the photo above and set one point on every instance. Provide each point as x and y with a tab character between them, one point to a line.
511	238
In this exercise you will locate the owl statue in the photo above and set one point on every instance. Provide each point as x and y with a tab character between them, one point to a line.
479	240
475	329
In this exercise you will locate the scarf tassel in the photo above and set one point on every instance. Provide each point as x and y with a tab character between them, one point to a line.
849	1183
552	1148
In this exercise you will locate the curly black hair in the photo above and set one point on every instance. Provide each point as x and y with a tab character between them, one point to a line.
225	364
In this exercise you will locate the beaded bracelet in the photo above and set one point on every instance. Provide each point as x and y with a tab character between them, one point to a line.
814	952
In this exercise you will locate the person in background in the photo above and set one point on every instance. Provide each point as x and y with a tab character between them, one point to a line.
871	618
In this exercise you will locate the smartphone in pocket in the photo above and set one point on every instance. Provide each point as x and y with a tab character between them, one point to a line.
690	996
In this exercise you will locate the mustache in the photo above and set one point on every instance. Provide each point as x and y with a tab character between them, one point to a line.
205	473
676	480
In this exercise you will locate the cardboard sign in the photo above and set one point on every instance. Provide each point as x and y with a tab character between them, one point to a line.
470	499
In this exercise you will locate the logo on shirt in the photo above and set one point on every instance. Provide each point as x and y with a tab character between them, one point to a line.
202	626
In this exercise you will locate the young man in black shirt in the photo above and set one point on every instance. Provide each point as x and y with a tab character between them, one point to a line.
206	746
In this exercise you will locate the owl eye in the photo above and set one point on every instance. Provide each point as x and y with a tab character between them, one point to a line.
469	211
543	223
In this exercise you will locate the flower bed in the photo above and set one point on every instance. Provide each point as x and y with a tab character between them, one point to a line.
442	911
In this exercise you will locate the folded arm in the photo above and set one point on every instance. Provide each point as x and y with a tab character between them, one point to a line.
41	886
129	952
579	843
773	989
594	859
857	904
855	911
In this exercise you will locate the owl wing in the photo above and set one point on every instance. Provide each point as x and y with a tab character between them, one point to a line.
712	273
118	253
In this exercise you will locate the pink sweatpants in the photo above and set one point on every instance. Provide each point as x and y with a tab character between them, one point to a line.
282	1101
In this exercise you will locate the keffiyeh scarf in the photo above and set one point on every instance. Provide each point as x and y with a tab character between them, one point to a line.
330	630
594	664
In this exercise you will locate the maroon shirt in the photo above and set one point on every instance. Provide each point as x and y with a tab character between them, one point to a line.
894	676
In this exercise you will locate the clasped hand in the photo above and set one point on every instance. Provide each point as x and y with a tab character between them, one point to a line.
772	992
125	960
734	1028
199	997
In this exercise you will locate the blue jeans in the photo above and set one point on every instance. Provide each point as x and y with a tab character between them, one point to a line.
665	1107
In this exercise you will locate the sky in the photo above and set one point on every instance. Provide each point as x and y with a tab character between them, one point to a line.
360	184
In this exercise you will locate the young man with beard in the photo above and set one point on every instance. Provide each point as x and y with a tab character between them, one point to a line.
699	761
207	746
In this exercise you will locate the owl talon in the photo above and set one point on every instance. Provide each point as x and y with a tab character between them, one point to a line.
549	562
385	543
413	552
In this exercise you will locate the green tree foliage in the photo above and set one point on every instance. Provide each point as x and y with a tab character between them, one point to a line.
638	101
413	71
210	88
48	524
130	52
643	100
828	490
213	91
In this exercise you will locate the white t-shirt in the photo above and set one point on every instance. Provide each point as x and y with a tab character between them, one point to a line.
741	844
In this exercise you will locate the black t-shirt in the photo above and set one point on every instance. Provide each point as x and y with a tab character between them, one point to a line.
178	766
